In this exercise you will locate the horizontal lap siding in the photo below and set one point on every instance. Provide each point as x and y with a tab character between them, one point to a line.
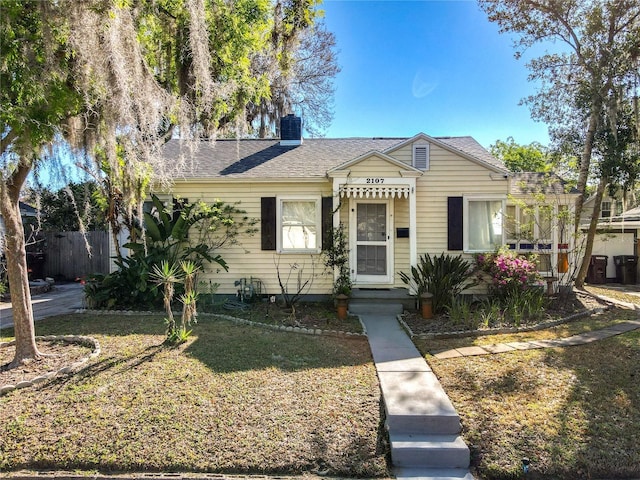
401	220
449	175
247	259
373	167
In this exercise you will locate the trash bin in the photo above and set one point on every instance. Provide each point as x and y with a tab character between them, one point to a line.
626	268
597	273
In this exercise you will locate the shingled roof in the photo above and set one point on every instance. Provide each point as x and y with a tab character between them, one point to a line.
266	159
525	183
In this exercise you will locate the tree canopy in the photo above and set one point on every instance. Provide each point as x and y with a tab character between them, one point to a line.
521	158
113	80
584	85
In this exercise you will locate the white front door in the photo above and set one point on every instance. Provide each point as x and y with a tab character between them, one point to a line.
371	242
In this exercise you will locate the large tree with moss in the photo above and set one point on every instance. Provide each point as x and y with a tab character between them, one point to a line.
112	80
583	84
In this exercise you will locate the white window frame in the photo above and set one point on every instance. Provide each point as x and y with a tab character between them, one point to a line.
300	198
537	239
465	217
428	159
609	208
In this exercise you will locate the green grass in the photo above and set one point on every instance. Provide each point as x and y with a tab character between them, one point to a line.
232	399
573	411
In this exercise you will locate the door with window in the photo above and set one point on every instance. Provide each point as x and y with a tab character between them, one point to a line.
371	242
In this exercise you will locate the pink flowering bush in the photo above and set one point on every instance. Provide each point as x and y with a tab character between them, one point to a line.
510	273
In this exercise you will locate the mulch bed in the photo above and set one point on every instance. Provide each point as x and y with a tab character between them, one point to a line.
56	355
559	307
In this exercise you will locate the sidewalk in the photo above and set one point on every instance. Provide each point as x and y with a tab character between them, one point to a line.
61	299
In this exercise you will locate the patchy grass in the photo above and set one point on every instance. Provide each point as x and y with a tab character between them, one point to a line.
232	399
574	412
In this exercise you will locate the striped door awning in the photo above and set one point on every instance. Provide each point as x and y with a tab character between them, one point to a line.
375	191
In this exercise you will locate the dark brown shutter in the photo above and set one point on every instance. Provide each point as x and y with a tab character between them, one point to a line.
454	223
327	221
268	222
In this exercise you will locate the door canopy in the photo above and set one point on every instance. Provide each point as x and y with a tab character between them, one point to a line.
375	191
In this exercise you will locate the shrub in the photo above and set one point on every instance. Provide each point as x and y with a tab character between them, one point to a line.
443	276
515	284
510	273
193	236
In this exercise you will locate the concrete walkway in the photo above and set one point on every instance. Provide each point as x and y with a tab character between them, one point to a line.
424	427
579	339
61	299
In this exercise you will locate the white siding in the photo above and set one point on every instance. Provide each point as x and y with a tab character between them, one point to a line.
247	259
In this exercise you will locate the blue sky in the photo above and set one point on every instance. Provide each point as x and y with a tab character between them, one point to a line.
437	67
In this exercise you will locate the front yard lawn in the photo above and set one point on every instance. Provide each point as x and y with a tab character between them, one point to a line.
232	399
574	412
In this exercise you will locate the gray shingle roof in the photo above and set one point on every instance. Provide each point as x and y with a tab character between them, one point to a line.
267	159
532	182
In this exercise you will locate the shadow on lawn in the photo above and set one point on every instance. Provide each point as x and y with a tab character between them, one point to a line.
602	408
220	345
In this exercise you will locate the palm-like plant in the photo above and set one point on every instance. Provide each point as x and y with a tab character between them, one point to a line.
188	299
166	276
443	276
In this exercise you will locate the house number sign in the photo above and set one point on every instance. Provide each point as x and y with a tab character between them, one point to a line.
376	181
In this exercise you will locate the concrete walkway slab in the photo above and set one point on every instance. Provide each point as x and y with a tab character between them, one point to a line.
416	406
574	340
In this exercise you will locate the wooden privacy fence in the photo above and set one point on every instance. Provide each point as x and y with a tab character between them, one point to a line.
66	254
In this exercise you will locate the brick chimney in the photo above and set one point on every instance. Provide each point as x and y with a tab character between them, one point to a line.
290	130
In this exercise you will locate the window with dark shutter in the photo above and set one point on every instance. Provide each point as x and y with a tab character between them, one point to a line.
454	223
268	223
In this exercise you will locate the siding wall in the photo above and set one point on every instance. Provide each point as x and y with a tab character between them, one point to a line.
449	175
247	259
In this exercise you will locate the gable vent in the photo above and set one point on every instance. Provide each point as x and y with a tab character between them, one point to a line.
421	157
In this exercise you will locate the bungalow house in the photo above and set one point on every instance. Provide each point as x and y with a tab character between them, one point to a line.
397	198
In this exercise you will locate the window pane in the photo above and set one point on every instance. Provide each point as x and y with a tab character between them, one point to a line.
372	260
510	222
527	222
485	225
299	229
545	214
372	222
544	262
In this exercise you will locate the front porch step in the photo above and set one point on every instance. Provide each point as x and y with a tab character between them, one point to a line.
433	474
382	296
429	451
362	307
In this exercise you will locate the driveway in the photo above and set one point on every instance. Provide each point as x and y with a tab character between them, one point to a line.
61	299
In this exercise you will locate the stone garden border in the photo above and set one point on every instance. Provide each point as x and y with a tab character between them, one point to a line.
79	339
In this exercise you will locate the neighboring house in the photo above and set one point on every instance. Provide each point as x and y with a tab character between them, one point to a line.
397	197
617	236
618	227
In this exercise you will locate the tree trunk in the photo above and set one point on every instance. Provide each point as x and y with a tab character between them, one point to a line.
17	272
591	233
585	161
